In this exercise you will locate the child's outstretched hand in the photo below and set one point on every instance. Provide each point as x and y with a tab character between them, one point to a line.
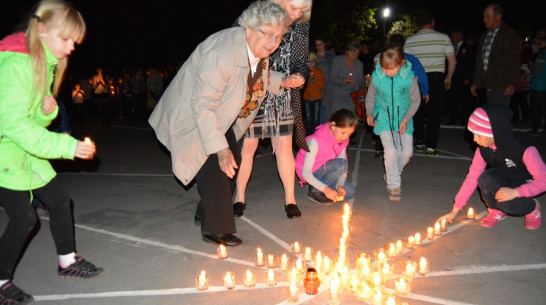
331	194
370	120
341	192
449	216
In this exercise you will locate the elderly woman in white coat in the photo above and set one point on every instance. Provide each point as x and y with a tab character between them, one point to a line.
204	111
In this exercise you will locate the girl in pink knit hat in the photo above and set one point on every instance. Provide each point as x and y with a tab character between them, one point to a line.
509	171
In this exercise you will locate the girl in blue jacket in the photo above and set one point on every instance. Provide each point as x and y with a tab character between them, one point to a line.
392	99
32	64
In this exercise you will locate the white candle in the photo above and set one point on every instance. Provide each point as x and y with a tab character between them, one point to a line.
391	250
391	301
386	271
308	254
423	266
229	280
87	140
334	297
470	213
259	258
430	233
296	247
364	271
292	293
411	268
284	262
271	278
250	279
202	281
410	242
399	246
380	256
222	252
271	261
376	279
437	229
443	224
401	286
318	259
364	291
299	265
327	264
378	297
418	240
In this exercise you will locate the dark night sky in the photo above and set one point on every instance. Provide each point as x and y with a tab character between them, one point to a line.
145	33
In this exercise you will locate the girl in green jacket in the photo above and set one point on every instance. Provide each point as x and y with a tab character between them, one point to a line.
32	64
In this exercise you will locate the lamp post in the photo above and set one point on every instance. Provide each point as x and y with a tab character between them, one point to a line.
386	13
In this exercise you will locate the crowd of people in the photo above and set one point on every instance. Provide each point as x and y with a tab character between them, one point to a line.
258	80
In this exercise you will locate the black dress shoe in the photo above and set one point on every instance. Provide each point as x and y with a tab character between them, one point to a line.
238	208
292	210
225	239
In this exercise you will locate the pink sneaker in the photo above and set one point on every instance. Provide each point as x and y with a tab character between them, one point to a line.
492	218
532	220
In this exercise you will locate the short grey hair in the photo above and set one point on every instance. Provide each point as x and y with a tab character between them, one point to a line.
260	13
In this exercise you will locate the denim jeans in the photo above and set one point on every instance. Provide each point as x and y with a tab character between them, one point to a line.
490	181
331	171
396	154
311	110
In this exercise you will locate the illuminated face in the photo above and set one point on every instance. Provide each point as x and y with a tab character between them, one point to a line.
341	134
483	140
491	21
59	46
293	11
265	40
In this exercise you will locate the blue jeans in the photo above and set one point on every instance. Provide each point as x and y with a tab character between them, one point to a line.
396	154
490	181
331	171
311	110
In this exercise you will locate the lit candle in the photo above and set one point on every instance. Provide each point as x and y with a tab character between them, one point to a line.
376	279
326	264
296	247
430	233
410	242
308	254
353	282
222	252
443	224
271	261
250	279
364	272
202	281
386	271
283	262
391	250
380	256
362	259
470	213
401	286
423	266
299	265
391	300
411	268
437	229
364	291
229	280
334	297
399	246
271	278
87	140
377	297
418	239
318	259
259	258
292	293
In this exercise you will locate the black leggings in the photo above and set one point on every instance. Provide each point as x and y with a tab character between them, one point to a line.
22	220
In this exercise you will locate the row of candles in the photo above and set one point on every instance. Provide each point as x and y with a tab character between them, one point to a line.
367	281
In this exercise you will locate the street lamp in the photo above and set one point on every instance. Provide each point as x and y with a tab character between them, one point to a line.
386	13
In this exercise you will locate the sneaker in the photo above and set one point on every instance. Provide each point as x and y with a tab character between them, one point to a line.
492	218
317	196
420	148
395	194
80	269
11	294
532	220
431	152
379	155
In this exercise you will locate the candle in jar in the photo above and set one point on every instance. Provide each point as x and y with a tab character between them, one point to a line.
470	213
222	252
423	266
296	247
318	259
391	250
250	279
376	279
386	271
259	258
271	278
443	224
437	229
202	281
283	262
334	297
430	233
299	265
411	268
229	280
401	286
292	293
377	297
418	239
399	246
271	261
307	254
391	301
410	242
326	264
380	256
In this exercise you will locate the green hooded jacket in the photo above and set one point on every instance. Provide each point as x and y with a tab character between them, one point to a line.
25	143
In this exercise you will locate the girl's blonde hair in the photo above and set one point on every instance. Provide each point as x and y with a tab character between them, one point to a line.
306	5
52	13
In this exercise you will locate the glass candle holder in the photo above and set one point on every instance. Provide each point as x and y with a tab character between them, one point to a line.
202	281
443	224
379	256
364	291
399	246
271	278
470	214
292	293
377	297
402	285
283	262
271	261
423	268
410	268
437	229
222	252
387	270
250	279
259	258
296	247
430	233
410	242
326	265
390	249
307	254
311	281
334	293
229	280
418	239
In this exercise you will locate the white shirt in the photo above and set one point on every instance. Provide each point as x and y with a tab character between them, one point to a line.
252	59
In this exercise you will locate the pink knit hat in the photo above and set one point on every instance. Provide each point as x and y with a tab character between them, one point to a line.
478	123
